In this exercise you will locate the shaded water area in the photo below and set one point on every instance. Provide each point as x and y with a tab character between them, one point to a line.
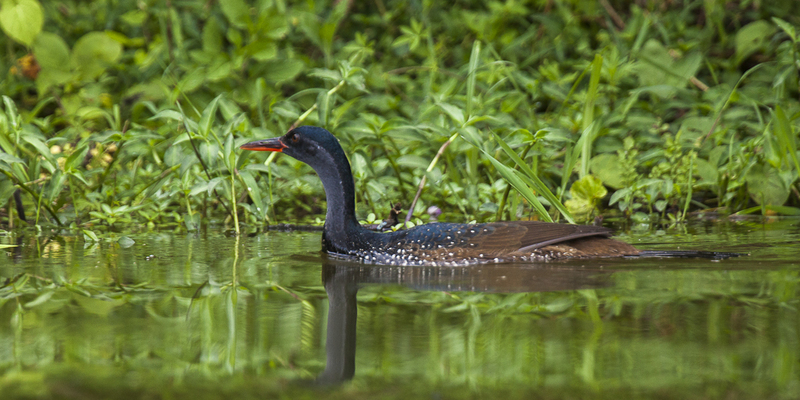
156	315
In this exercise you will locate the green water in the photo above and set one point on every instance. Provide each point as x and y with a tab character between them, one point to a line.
174	315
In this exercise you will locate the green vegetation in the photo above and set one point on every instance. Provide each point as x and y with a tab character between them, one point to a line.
120	112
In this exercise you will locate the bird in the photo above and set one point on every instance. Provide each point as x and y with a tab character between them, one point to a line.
438	244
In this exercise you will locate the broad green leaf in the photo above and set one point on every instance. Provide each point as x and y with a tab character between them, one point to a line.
89	235
212	37
708	173
22	20
213	183
413	161
262	50
51	52
237	12
94	52
168	114
282	70
588	188
751	38
9	159
326	74
766	186
42	148
454	112
608	168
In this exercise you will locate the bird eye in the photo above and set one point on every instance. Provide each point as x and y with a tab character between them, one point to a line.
295	138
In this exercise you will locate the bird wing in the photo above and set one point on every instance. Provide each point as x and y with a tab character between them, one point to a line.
540	234
523	236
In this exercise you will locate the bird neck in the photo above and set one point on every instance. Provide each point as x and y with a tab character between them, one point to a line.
341	225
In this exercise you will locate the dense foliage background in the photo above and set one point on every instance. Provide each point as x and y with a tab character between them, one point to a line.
121	111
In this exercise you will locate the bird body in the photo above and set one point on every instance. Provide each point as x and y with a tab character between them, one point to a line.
435	244
447	244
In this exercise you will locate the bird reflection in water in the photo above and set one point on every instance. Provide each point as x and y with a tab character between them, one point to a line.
343	279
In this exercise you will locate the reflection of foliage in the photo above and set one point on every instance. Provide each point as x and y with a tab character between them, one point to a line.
163	324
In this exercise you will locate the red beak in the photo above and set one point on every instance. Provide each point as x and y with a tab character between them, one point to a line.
273	144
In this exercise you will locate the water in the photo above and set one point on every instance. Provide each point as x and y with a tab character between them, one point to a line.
175	315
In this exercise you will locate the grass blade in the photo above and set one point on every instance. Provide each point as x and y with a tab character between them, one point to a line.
474	59
533	179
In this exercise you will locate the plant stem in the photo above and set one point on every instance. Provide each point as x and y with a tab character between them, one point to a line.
233	202
22	186
314	107
430	168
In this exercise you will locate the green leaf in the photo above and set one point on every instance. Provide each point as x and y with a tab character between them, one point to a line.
76	158
89	236
787	27
323	101
326	74
454	112
42	148
22	20
662	72
253	192
51	52
588	105
588	188
766	186
212	37
207	118
752	38
413	161
262	50
707	171
213	184
513	178
786	137
607	167
533	179
237	12
11	112
585	195
474	59
282	70
94	52
228	152
9	159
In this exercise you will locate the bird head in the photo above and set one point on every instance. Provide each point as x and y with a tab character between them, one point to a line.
310	144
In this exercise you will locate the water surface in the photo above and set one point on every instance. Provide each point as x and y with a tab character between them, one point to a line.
176	315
